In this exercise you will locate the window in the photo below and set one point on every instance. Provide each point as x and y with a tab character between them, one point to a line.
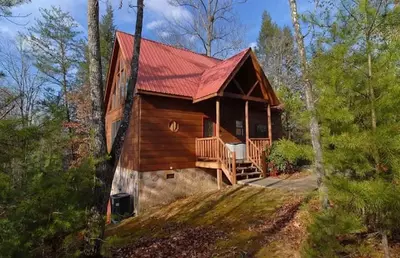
114	99
239	128
208	127
173	126
114	130
261	131
122	87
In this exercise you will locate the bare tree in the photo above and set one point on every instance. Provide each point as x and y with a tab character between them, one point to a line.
308	88
105	169
22	79
7	103
211	27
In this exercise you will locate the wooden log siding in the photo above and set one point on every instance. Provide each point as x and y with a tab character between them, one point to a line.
150	145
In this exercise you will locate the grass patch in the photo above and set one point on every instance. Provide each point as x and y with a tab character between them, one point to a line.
243	217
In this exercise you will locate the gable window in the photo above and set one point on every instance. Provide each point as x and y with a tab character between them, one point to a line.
122	86
114	130
114	98
261	130
239	128
119	84
208	127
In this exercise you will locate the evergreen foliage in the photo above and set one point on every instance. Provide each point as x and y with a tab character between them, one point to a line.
58	48
107	36
355	69
41	201
287	156
277	54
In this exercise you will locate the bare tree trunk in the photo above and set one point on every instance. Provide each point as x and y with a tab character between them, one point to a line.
314	127
385	244
210	26
105	169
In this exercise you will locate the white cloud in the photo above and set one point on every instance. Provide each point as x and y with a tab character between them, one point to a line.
29	12
164	34
154	24
253	45
164	9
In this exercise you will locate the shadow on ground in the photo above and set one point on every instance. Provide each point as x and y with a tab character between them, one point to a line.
235	222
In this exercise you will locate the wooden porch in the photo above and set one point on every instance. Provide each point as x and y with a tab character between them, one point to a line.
214	153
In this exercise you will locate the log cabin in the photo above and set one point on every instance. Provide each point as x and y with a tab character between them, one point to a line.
197	123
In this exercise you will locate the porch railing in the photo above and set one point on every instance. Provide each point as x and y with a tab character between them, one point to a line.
214	149
261	143
256	151
206	148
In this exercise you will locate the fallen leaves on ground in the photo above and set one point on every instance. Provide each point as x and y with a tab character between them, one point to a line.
180	241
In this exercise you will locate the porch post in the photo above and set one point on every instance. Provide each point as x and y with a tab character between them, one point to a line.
219	178
246	114
217	118
269	123
217	125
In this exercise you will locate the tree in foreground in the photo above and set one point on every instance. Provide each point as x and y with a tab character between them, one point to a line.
356	73
310	99
105	168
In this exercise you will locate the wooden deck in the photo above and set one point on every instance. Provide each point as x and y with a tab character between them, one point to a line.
213	153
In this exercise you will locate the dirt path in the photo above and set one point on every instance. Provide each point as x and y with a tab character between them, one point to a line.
305	184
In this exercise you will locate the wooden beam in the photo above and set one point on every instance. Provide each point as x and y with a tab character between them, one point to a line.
217	128
238	86
246	115
205	97
239	96
208	164
162	94
217	118
252	88
269	123
233	179
219	178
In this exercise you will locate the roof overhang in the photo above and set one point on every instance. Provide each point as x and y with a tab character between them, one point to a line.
269	95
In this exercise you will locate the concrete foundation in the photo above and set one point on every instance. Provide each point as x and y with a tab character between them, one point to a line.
154	188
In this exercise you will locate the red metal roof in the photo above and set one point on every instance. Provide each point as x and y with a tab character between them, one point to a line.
168	70
214	78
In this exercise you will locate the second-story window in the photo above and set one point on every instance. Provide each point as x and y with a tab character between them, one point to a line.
120	88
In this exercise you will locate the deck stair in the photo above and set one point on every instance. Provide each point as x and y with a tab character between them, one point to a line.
247	170
212	152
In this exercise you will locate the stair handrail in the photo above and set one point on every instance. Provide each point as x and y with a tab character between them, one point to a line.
227	159
256	154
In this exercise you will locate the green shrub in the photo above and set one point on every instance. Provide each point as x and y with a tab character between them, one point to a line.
286	156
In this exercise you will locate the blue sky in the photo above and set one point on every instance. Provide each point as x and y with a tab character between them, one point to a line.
155	10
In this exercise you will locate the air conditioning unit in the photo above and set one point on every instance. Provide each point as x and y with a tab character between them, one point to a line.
121	207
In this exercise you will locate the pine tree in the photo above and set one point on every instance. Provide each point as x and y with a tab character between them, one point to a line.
58	49
277	54
356	72
107	36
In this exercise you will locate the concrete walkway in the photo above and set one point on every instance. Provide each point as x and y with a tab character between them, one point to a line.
304	184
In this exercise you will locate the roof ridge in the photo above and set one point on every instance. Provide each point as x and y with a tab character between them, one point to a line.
225	60
182	49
